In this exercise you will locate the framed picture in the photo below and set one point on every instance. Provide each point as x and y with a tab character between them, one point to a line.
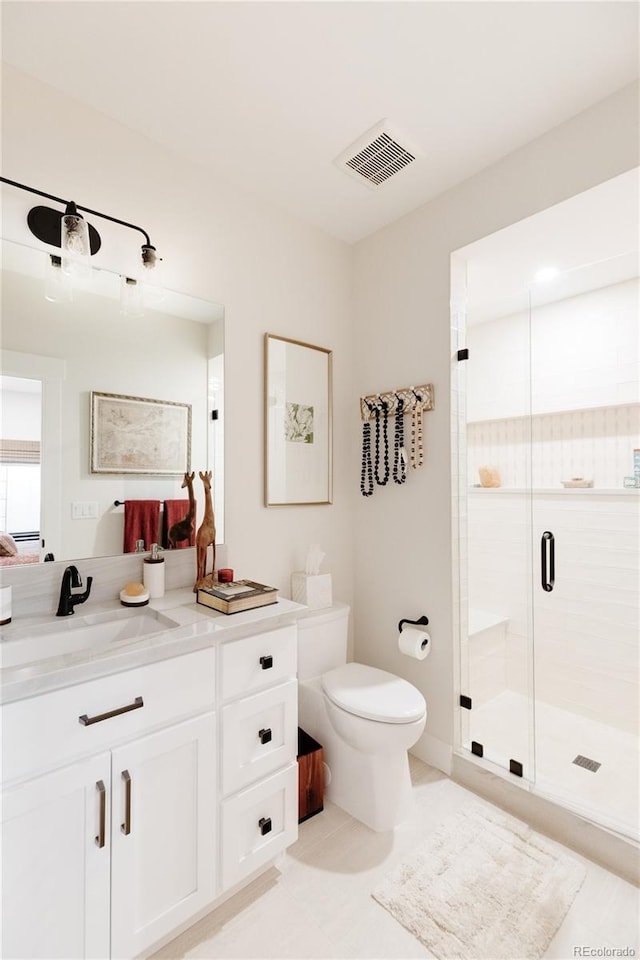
297	416
135	435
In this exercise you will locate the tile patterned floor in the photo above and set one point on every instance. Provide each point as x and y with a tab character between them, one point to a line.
318	903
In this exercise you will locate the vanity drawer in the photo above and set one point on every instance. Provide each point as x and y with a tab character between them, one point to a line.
259	823
259	661
259	735
44	732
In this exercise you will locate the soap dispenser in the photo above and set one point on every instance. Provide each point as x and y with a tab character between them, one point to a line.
153	572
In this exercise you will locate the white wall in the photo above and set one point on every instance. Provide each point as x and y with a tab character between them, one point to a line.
583	353
403	540
271	272
574	363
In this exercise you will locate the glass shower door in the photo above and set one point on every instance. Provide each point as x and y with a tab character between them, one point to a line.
496	682
586	539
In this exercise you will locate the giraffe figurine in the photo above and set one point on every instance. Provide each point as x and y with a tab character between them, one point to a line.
206	536
183	529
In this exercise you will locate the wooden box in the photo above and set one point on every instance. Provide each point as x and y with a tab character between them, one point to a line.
310	776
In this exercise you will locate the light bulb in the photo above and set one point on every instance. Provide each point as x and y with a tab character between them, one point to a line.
74	240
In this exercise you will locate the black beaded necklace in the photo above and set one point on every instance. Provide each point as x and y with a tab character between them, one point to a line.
385	441
366	476
399	454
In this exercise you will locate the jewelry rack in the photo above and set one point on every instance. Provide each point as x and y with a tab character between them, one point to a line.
380	407
420	397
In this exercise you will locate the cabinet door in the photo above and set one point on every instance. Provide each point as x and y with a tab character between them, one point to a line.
55	864
163	833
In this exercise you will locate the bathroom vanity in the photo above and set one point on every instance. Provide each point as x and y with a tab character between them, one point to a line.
144	776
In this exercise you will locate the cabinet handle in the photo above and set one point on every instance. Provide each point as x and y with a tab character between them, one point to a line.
266	662
265	735
87	721
103	812
126	826
265	825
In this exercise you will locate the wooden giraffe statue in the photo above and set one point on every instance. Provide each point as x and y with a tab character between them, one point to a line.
206	536
183	529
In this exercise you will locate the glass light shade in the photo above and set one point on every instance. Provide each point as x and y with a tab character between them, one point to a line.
131	301
57	285
75	246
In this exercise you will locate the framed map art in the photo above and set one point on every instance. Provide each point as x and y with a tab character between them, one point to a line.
135	435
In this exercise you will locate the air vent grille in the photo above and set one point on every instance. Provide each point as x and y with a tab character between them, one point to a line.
377	155
380	159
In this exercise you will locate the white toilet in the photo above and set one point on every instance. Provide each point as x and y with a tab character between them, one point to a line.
366	719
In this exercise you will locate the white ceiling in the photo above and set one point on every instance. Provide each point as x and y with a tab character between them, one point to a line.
268	94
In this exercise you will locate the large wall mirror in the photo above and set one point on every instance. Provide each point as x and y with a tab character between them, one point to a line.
55	355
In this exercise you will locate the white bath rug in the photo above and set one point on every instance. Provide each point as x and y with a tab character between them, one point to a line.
485	885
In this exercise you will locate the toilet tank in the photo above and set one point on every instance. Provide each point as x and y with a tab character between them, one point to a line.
322	640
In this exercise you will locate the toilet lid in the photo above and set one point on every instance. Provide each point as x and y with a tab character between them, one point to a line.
373	694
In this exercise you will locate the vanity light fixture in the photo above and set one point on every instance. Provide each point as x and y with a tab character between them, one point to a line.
69	230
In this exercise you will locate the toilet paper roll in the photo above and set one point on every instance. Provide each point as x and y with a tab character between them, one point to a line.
414	642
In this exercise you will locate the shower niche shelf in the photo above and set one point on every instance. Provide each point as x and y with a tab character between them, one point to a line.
556	491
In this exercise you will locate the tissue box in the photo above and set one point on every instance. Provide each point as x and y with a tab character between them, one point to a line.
314	590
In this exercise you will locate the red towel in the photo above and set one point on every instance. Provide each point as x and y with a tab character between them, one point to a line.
174	512
141	522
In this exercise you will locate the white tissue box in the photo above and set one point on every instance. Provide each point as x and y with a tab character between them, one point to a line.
312	589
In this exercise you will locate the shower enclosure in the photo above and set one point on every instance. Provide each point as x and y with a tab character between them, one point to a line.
546	420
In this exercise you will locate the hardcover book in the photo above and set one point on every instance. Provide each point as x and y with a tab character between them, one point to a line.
237	596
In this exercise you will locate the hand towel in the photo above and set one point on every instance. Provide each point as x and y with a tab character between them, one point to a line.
141	522
177	512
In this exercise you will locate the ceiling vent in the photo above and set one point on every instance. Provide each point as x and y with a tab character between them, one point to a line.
377	155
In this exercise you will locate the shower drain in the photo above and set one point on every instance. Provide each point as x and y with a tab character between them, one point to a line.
588	764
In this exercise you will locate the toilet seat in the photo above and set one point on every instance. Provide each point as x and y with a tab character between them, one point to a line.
373	694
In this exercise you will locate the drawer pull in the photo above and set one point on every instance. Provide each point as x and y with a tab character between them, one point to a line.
126	826
266	662
103	812
87	721
265	825
265	735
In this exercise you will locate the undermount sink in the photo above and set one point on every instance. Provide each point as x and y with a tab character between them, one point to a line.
92	632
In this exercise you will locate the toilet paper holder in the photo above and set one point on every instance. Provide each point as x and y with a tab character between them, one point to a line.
423	621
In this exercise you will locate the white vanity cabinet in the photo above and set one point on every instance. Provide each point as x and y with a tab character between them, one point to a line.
133	802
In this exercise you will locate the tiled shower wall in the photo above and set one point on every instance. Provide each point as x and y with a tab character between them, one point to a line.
595	444
585	632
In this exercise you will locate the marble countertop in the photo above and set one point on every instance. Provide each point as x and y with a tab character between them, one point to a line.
194	627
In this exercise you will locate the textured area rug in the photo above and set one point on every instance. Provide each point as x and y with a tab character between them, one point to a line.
483	886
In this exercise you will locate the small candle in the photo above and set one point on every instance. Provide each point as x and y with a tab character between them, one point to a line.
5	605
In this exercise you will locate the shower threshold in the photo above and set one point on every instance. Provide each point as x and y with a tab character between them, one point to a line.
606	795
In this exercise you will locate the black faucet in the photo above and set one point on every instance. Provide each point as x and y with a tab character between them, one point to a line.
71	578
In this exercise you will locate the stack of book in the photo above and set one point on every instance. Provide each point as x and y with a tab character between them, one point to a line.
236	596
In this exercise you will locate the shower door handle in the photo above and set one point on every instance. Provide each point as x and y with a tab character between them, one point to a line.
548	560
